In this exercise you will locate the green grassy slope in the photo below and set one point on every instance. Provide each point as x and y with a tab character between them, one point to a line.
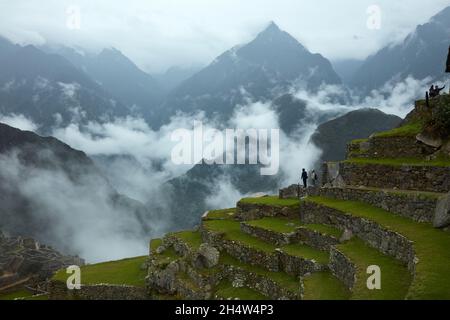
432	279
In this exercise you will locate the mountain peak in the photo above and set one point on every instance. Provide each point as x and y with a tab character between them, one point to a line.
442	17
272	28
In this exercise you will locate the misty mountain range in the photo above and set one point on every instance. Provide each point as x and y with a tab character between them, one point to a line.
419	55
44	180
36	82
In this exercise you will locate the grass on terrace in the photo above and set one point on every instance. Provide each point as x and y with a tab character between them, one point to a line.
307	252
22	293
225	290
402	161
359	140
432	278
284	280
324	286
283	225
154	244
324	229
405	193
223	214
279	225
233	231
395	277
122	272
272	201
192	238
408	130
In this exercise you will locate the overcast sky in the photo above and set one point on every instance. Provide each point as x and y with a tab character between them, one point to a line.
157	34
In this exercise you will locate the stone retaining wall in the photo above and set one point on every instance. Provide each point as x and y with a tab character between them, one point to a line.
316	239
170	281
240	277
392	147
270	236
386	241
420	178
58	291
276	261
297	266
296	191
418	207
269	261
342	268
251	211
180	247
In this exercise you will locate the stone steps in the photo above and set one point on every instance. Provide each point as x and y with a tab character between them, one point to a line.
178	276
295	259
279	231
349	262
275	285
282	231
423	248
278	285
417	205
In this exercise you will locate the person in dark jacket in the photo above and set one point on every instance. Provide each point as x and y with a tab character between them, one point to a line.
305	178
438	90
432	91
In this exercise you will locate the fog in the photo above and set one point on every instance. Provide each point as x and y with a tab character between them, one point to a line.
159	34
137	161
76	217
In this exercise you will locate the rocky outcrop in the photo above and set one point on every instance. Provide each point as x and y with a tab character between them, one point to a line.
207	256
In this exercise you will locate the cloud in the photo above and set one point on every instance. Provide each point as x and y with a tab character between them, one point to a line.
225	195
179	32
19	121
74	216
395	97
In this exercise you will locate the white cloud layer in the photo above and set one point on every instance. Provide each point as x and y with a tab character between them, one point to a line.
161	33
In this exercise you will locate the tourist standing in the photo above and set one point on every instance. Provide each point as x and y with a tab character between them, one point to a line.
305	178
